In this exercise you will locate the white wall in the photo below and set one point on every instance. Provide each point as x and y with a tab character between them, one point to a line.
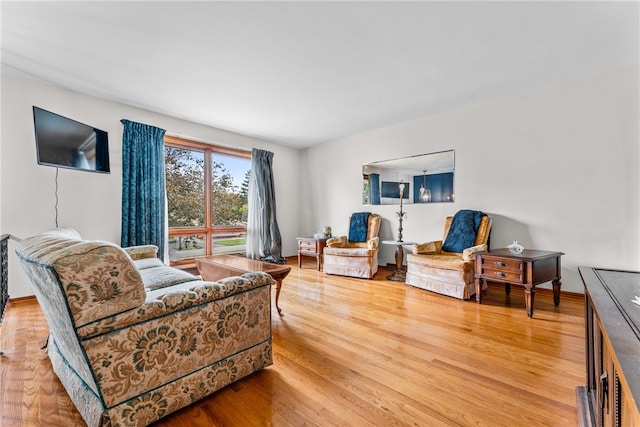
557	169
89	202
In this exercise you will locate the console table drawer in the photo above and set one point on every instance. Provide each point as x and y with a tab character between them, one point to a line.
307	246
502	264
509	276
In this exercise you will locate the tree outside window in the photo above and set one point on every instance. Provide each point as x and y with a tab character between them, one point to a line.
207	207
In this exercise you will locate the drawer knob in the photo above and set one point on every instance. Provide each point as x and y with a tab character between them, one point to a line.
501	274
501	263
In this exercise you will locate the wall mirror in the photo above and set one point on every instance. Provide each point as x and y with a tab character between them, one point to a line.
425	178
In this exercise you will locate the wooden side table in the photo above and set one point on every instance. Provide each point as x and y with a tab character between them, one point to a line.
310	246
528	269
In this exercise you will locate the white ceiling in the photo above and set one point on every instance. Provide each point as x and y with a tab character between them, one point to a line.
301	73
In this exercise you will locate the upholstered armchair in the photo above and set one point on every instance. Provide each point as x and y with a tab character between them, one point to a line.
447	266
355	255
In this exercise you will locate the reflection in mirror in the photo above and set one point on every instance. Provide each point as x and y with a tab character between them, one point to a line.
427	178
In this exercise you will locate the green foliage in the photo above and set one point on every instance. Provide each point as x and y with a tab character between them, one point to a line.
184	171
244	187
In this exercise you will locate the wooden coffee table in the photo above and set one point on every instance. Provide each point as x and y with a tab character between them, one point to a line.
216	267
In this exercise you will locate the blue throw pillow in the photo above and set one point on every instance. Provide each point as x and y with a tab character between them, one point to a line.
463	231
358	227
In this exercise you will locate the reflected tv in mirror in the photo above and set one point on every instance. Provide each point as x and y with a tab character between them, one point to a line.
66	143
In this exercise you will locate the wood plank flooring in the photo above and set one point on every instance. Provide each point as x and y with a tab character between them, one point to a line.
355	352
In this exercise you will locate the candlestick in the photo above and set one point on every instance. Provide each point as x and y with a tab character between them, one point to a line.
400	214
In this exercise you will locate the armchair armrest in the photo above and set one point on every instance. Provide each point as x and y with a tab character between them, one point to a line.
142	251
372	244
470	253
337	242
428	248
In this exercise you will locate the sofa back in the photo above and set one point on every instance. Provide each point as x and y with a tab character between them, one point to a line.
97	279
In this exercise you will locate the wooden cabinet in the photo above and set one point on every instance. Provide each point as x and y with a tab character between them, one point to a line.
612	346
4	274
312	247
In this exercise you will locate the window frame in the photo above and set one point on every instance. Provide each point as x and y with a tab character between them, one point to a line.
209	230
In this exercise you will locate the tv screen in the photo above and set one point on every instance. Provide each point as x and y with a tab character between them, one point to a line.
66	143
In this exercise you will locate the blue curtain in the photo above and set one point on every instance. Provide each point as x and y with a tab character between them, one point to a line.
374	188
263	234
143	186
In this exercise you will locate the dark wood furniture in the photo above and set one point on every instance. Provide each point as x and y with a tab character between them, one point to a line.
4	274
612	329
216	267
310	246
528	269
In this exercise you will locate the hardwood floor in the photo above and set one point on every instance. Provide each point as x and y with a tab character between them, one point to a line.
355	352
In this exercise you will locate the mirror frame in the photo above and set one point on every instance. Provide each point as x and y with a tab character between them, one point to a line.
425	178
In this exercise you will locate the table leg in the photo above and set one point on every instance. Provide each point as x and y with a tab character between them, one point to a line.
479	290
507	288
278	287
299	260
399	274
529	296
319	262
399	257
556	291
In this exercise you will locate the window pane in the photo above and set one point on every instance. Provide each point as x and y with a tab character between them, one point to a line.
231	242
184	170
182	247
229	189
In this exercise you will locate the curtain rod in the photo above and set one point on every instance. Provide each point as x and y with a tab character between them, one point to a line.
177	135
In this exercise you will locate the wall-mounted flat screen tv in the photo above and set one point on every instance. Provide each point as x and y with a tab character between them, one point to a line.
66	143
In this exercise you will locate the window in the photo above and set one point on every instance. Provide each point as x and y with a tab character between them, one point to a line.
207	188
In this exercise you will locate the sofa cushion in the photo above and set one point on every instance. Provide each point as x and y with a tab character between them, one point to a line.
156	275
446	261
349	252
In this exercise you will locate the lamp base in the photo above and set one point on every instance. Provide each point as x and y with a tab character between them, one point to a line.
397	275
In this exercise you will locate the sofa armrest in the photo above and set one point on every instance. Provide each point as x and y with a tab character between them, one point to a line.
337	242
433	247
470	253
142	251
179	330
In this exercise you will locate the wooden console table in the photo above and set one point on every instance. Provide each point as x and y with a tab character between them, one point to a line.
216	267
528	269
310	246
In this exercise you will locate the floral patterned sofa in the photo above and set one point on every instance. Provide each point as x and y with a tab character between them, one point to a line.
133	340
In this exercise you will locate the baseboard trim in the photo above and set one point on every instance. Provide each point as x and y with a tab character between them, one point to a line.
20	300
